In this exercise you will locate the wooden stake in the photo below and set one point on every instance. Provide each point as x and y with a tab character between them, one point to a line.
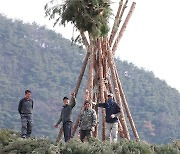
115	25
117	94
122	12
60	134
76	88
109	84
91	73
95	133
123	28
81	73
76	124
101	59
85	41
123	98
88	96
101	84
120	130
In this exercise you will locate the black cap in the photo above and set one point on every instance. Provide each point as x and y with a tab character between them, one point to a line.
65	98
110	95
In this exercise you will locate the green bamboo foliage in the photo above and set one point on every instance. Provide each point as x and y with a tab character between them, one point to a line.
88	15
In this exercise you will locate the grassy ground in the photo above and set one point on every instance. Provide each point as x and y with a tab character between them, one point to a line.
11	143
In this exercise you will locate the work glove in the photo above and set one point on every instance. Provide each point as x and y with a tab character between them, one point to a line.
92	129
113	116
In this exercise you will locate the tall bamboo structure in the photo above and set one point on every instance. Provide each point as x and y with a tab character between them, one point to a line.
102	73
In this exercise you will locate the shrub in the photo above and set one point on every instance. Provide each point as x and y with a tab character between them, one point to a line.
11	143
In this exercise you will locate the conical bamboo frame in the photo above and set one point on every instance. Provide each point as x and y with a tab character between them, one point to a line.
103	77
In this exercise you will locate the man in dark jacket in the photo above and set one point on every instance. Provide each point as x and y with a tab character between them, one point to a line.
112	113
25	110
66	117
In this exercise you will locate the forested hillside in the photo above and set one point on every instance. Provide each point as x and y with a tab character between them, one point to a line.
35	58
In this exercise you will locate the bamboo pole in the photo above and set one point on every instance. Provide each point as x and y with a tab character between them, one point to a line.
123	28
117	93
127	109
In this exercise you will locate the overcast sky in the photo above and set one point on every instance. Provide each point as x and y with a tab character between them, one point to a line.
151	40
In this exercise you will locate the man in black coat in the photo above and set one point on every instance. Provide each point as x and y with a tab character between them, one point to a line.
66	117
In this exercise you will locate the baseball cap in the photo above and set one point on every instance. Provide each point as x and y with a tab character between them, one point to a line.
65	98
110	95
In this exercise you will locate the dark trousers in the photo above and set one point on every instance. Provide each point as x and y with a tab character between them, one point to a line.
67	127
26	121
85	133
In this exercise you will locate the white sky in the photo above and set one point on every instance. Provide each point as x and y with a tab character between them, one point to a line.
150	40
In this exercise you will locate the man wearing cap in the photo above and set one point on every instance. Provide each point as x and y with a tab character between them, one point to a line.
87	121
66	116
112	113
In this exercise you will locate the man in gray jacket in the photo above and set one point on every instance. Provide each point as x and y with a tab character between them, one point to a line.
88	120
25	110
66	117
